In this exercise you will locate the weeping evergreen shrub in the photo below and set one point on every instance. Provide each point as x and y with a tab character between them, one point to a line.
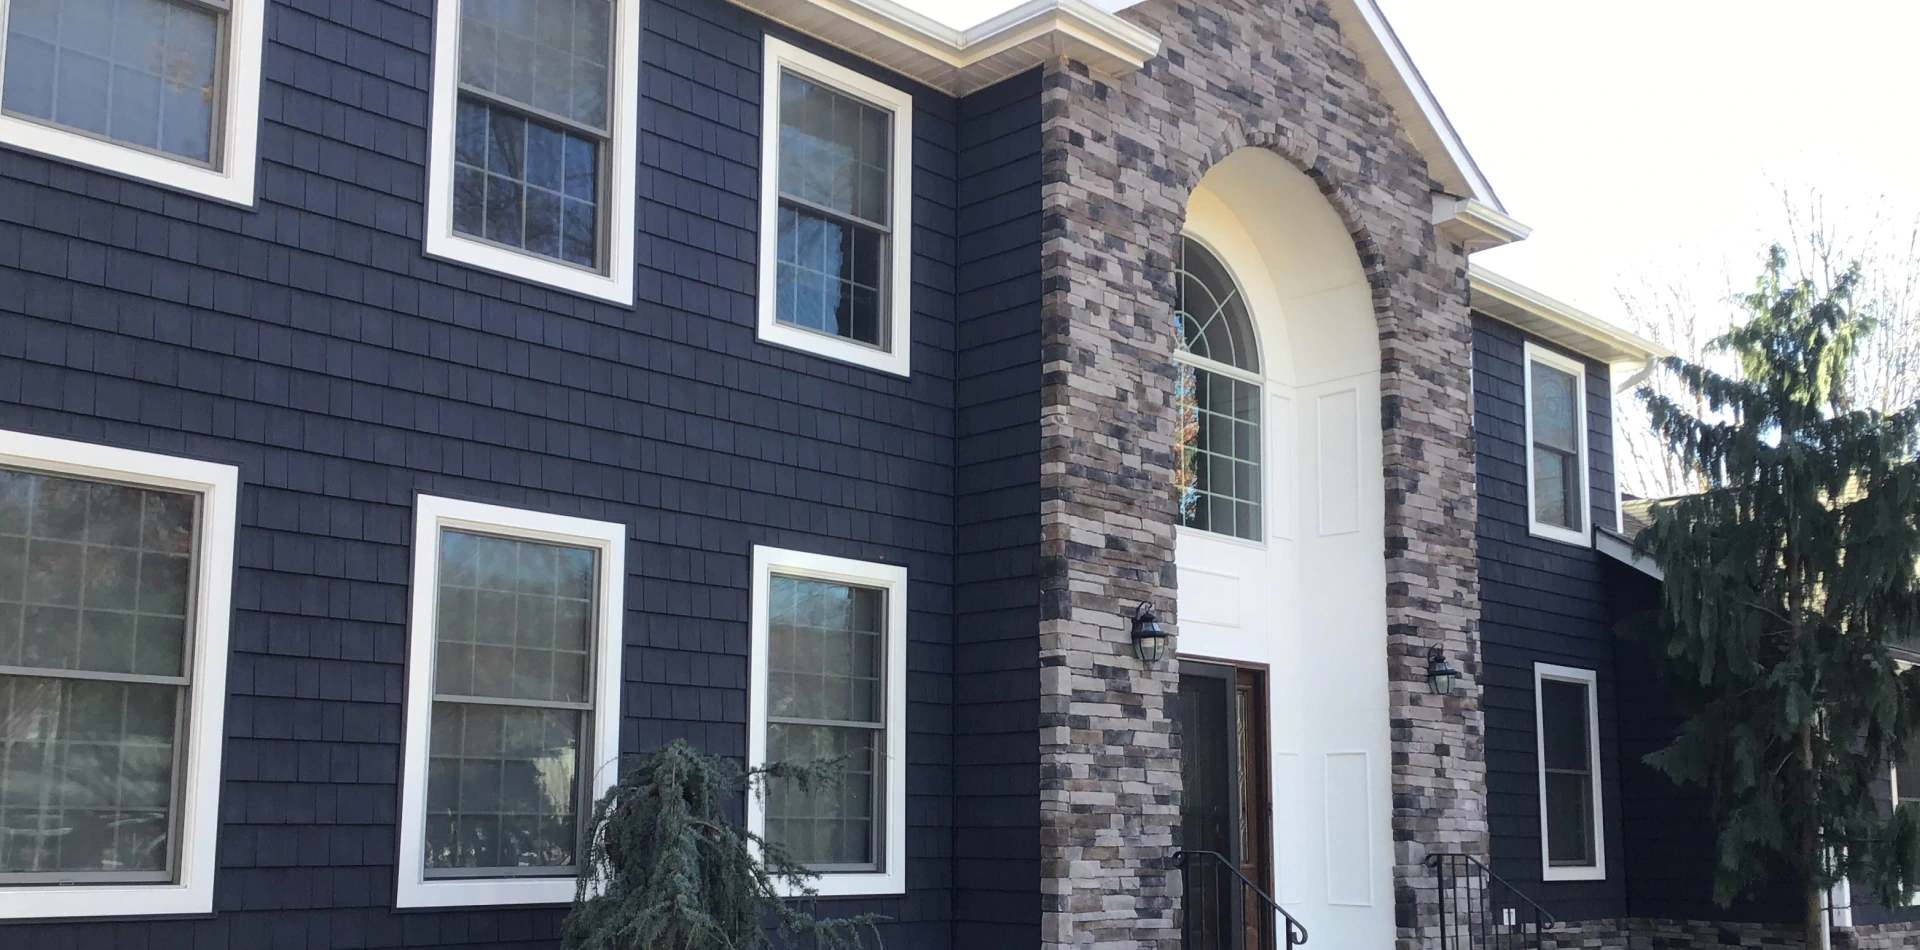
665	869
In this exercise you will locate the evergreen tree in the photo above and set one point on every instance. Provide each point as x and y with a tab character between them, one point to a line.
667	870
1787	580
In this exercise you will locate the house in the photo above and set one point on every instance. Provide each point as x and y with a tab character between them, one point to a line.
408	407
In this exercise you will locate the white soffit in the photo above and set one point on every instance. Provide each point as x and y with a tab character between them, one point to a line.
1556	322
958	61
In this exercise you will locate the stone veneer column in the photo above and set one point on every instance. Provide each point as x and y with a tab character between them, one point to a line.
1119	159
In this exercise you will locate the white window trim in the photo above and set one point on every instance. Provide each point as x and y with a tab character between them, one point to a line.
199	803
609	539
1580	536
1588	678
1893	803
230	181
614	283
892	879
897	358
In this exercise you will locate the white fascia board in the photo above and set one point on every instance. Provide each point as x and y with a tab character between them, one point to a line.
1563	324
959	61
1620	548
1387	62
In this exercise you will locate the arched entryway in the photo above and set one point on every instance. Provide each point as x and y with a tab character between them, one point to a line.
1282	582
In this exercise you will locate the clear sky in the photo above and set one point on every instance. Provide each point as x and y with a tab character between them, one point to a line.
1651	139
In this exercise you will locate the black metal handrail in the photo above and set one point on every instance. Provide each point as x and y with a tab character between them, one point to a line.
1480	911
1204	909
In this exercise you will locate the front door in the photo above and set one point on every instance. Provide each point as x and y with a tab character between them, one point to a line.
1222	711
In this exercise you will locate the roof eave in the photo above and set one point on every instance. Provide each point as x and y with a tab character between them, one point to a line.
956	61
1473	225
1380	50
1619	548
1556	322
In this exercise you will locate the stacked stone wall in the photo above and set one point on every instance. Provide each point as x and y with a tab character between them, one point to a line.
1120	158
1646	933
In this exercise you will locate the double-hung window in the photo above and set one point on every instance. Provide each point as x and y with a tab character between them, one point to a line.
835	211
533	141
512	726
115	581
163	90
827	682
1567	727
1556	446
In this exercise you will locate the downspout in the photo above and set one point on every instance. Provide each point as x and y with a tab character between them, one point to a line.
1613	413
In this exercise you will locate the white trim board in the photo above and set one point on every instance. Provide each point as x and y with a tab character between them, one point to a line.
1532	353
614	281
198	825
892	876
1561	324
897	356
230	178
601	760
1591	680
959	61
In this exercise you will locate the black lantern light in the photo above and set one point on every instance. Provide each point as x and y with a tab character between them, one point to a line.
1149	641
1440	674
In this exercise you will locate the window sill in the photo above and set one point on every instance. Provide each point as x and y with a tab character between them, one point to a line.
1573	874
83	901
853	884
833	348
485	892
616	287
1201	534
1563	535
233	187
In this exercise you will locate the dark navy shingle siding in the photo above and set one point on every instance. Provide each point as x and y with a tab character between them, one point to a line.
997	511
1546	601
1541	601
310	342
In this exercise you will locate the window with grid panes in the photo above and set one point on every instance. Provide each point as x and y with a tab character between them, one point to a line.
835	181
512	701
532	127
143	73
1218	395
826	698
96	632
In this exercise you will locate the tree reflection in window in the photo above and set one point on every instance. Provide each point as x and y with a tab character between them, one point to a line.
1217	399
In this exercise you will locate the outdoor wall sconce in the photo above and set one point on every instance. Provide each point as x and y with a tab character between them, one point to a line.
1149	641
1440	674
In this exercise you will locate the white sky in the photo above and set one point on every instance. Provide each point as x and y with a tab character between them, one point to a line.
1650	139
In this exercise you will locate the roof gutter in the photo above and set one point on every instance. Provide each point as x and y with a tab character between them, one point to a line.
1514	303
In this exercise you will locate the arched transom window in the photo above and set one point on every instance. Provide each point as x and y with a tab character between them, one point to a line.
1218	397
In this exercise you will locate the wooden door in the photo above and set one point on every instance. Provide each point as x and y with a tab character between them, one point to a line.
1256	802
1226	807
